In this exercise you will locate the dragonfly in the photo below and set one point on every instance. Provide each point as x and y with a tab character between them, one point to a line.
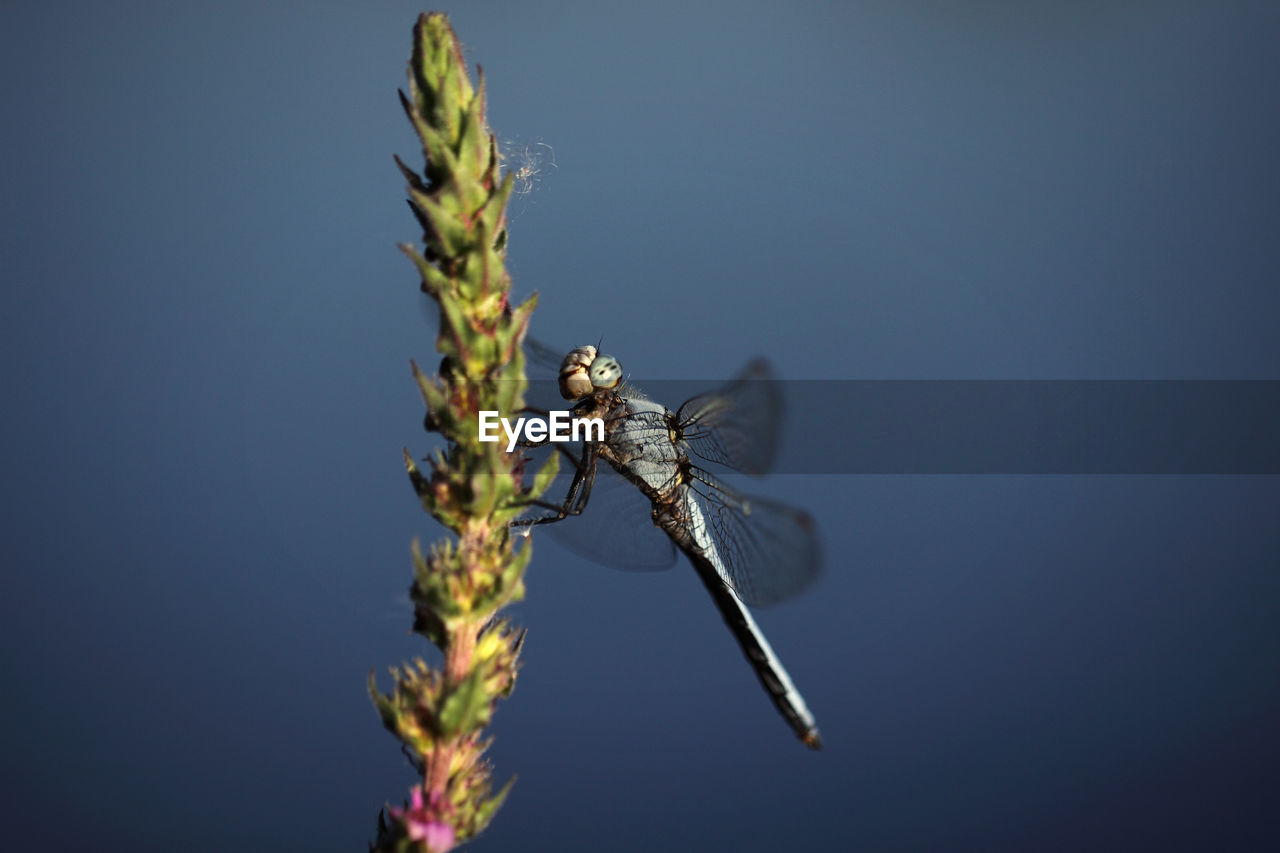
746	551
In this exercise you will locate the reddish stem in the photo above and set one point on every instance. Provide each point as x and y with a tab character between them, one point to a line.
457	664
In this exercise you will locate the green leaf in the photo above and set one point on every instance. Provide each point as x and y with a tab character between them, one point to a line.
451	238
384	703
434	282
421	486
547	473
466	708
414	179
486	810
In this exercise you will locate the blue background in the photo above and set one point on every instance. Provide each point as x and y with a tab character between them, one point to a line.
207	331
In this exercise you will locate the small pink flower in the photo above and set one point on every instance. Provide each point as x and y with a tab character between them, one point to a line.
437	835
421	825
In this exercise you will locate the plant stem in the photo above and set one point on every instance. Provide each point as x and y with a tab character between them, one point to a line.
474	489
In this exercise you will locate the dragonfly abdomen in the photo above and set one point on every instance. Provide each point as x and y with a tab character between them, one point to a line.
768	668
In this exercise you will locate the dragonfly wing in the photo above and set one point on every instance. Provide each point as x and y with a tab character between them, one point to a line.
616	529
768	551
739	425
543	359
543	369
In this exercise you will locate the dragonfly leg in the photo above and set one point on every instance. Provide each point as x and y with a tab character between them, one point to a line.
579	491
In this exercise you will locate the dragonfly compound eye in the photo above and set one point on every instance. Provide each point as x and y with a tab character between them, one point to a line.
575	383
605	372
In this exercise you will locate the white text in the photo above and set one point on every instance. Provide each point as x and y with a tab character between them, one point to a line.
560	426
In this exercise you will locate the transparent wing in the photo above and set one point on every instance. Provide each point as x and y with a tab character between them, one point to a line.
542	358
543	368
769	551
737	426
616	529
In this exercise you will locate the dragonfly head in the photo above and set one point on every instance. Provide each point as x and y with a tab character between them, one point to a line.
585	370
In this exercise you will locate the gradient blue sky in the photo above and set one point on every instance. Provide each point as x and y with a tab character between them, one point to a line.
207	336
